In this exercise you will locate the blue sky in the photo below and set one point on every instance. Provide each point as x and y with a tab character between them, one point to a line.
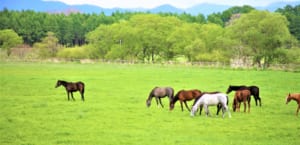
176	3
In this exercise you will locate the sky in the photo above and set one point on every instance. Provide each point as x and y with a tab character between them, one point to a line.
177	3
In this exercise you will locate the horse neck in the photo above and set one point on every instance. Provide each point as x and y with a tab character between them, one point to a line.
294	97
236	87
197	101
64	83
151	95
175	99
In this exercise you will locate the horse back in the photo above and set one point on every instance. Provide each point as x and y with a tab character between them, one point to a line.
296	96
213	99
159	92
242	94
188	94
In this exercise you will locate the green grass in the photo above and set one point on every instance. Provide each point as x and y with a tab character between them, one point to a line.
33	112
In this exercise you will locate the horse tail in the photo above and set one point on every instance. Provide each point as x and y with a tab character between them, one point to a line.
172	93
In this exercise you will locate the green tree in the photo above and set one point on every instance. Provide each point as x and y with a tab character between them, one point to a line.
48	47
293	16
215	18
259	34
9	39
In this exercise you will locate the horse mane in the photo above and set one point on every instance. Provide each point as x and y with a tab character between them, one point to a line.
175	98
237	87
64	83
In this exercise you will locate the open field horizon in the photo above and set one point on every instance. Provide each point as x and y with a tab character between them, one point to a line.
34	112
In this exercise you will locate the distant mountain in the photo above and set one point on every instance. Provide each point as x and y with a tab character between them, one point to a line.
166	8
59	7
274	6
206	9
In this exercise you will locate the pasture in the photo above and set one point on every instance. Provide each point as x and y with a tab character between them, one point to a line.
34	112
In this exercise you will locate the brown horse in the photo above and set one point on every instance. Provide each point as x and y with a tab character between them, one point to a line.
241	96
296	97
254	90
183	96
72	87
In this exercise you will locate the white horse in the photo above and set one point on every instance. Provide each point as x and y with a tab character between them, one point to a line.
212	100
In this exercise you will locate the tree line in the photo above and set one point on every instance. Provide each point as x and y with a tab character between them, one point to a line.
239	32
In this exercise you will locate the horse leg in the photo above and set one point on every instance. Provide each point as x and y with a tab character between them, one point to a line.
218	108
82	95
206	110
238	107
68	96
201	107
298	110
181	105
259	99
245	106
160	103
72	96
156	99
187	107
248	106
255	97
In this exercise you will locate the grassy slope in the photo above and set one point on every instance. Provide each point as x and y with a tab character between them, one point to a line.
34	112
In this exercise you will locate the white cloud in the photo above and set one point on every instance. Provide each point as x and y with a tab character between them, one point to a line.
176	3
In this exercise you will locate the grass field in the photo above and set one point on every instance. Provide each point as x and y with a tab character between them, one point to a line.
33	112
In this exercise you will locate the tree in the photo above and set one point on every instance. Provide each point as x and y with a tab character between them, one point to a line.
9	39
48	47
215	18
293	16
260	33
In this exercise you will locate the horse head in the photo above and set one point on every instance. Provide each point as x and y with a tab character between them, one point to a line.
229	89
172	104
58	83
148	103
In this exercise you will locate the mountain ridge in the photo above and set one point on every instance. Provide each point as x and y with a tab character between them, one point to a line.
60	7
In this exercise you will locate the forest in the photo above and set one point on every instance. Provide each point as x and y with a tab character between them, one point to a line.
237	33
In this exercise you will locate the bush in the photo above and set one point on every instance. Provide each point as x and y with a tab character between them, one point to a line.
74	53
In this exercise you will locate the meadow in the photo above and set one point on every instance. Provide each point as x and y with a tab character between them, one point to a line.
34	112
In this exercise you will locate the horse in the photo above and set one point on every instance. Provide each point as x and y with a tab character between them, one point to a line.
72	87
296	97
158	93
219	106
253	89
241	96
183	96
212	100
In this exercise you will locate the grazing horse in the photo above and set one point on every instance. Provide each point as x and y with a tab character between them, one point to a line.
296	97
72	87
183	96
253	89
219	106
212	100
241	96
158	93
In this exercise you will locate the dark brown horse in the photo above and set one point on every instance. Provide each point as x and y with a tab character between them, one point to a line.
296	97
253	89
241	96
158	93
72	87
183	96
